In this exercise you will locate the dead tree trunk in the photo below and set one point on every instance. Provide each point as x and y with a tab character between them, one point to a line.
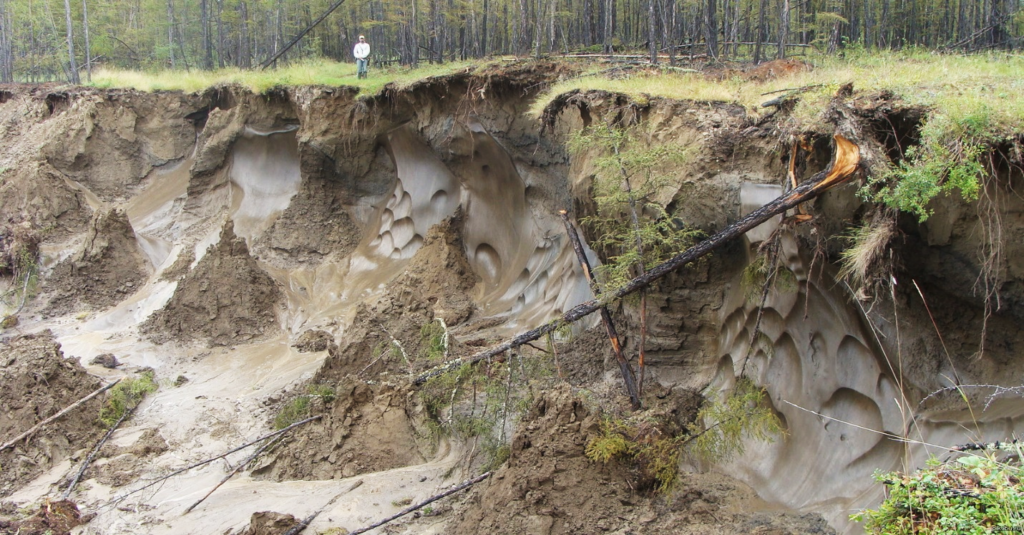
606	318
844	164
302	34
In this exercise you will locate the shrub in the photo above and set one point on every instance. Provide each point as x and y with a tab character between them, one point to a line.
948	160
972	494
652	445
646	444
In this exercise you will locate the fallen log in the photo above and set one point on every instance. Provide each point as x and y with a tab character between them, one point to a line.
844	163
212	459
235	470
424	503
66	410
301	526
606	318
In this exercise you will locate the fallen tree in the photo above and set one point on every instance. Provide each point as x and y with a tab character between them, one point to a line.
844	163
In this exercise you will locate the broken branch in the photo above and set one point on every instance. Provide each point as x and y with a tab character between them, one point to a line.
424	503
845	162
232	473
221	456
96	450
66	410
298	528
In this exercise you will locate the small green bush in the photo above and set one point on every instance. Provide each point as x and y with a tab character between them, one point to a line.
298	408
645	444
124	396
433	341
653	445
974	494
949	159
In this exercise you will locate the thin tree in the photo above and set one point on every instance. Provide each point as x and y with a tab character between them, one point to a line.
6	55
88	52
170	31
72	65
783	28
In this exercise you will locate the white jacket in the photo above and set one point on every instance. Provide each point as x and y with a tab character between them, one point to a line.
361	50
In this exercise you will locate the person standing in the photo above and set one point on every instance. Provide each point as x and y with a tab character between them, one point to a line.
362	53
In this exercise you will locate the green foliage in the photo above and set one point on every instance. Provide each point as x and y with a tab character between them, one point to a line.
974	494
498	394
723	425
949	159
299	408
438	392
646	443
627	182
434	340
126	395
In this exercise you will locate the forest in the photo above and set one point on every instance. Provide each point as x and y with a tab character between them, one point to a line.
50	40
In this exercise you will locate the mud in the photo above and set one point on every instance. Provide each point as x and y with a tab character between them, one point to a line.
107	269
549	486
367	428
39	381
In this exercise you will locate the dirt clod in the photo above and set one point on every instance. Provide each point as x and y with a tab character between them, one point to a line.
107	360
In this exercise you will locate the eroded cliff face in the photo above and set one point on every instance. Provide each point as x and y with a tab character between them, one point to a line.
205	235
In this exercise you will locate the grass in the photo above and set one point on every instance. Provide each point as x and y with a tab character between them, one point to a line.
299	407
308	72
952	85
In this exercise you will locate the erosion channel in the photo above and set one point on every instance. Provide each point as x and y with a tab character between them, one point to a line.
311	251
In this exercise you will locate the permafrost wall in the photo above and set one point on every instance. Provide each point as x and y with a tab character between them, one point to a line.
329	198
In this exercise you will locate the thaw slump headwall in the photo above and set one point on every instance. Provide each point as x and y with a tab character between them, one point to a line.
836	386
286	170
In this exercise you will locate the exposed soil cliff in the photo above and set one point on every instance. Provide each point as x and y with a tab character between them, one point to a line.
313	238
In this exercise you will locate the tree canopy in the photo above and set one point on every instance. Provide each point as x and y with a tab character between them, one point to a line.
37	35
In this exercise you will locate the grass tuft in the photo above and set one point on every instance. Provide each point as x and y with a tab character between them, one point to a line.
300	407
868	246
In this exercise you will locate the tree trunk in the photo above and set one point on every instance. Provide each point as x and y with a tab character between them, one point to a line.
204	21
72	64
711	27
783	28
6	67
245	49
551	25
170	32
652	32
483	30
88	52
609	8
760	31
220	33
